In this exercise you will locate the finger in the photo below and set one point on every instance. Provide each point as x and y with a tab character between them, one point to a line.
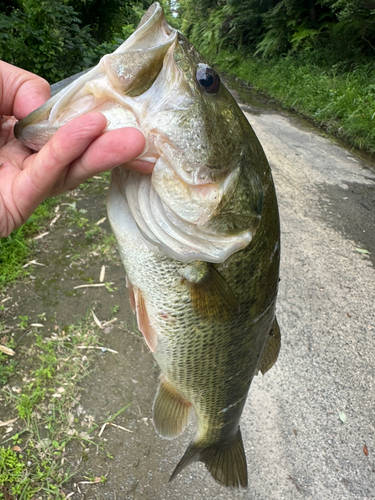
46	170
20	91
109	150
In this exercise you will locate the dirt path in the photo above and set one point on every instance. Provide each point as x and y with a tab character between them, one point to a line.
297	447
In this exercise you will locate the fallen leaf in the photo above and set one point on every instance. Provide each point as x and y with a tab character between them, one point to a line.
364	251
41	235
54	220
93	285
342	417
8	422
97	480
34	262
102	274
97	321
16	448
365	450
6	350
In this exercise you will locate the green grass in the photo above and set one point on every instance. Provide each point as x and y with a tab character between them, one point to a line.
7	363
338	98
32	459
17	247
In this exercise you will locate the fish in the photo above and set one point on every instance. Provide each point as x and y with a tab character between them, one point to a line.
199	237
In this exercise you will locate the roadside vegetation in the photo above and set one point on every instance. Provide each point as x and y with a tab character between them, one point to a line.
58	38
45	434
38	411
315	57
17	248
17	251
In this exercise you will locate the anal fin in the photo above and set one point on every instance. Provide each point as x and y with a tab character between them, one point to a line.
226	462
271	350
171	412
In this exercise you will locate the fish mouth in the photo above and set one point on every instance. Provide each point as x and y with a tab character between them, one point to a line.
116	80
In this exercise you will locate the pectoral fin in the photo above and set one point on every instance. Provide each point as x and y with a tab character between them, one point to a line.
138	306
211	296
131	294
272	349
171	411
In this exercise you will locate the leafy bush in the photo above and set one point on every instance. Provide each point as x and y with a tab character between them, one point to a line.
45	37
56	39
341	101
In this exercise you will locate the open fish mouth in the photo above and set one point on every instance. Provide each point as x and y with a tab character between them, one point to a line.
108	87
150	83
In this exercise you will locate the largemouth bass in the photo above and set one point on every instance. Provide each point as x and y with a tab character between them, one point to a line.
199	237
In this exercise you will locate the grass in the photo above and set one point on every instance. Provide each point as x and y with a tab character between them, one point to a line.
41	442
32	458
17	247
338	98
7	363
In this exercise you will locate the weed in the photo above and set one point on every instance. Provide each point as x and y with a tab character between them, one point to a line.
16	248
109	287
12	468
45	409
114	309
24	322
7	363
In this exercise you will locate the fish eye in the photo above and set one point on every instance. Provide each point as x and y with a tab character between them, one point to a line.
208	79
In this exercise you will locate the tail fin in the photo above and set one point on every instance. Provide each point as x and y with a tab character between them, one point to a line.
225	461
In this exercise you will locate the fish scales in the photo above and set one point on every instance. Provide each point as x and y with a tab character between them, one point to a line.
199	237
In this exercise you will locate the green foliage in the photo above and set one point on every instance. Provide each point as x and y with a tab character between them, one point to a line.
12	469
341	101
45	37
15	249
274	28
107	17
58	38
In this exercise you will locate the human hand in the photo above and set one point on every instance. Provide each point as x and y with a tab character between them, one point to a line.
76	152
